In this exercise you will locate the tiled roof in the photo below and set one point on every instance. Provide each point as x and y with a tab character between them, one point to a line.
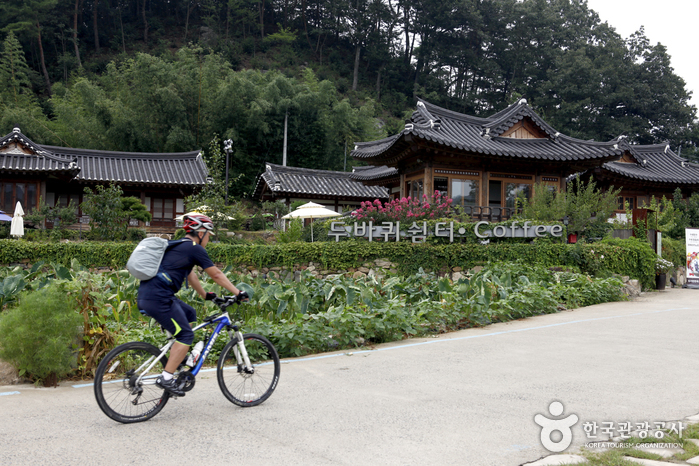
657	164
183	168
42	160
481	136
284	181
373	173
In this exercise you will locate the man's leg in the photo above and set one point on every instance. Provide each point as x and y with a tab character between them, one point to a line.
177	354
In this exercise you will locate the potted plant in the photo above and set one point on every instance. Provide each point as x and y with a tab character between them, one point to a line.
662	267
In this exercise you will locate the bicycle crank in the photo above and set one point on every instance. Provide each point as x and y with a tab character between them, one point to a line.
186	381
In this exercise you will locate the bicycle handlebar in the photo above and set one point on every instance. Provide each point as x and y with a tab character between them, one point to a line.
224	301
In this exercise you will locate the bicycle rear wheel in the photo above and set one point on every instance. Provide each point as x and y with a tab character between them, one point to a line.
117	391
248	388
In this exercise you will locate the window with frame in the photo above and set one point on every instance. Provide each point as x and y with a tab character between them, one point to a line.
464	192
11	193
624	200
162	209
504	192
415	189
513	191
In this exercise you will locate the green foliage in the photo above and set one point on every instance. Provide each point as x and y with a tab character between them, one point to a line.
674	250
316	315
15	84
110	213
587	208
293	233
684	214
663	265
10	287
61	216
39	336
310	314
625	257
545	204
211	199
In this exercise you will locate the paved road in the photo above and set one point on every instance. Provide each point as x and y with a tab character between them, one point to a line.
466	398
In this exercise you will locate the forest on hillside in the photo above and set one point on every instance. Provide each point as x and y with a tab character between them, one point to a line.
165	76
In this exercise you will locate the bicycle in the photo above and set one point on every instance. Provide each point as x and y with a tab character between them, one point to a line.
247	371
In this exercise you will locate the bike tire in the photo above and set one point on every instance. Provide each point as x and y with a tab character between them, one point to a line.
249	389
115	392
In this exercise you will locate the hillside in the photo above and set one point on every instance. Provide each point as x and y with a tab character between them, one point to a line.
148	75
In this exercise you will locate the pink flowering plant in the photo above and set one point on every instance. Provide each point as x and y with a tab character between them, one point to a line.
406	209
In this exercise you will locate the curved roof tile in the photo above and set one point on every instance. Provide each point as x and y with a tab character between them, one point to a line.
299	181
482	136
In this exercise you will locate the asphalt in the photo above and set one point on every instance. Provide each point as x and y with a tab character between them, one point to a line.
463	398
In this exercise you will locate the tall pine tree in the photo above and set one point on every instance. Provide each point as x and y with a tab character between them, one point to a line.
15	86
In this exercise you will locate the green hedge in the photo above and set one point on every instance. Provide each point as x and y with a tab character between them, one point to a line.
626	257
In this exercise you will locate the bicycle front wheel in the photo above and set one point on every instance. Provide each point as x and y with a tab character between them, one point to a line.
249	387
119	392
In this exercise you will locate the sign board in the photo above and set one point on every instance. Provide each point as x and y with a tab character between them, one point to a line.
692	242
419	231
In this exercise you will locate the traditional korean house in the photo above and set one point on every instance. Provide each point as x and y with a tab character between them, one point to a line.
334	190
58	175
647	171
483	164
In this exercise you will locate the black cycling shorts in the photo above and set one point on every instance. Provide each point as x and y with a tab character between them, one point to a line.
174	316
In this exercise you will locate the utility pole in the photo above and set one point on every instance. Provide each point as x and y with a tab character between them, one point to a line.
286	120
228	147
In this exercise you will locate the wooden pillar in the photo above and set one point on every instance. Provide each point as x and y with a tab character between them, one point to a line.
402	185
484	201
428	183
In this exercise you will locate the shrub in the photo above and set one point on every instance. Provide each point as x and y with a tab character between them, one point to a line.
39	336
293	232
406	209
135	234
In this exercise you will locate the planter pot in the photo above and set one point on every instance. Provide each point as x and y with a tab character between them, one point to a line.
572	238
660	280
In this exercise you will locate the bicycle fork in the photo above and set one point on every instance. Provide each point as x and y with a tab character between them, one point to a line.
241	354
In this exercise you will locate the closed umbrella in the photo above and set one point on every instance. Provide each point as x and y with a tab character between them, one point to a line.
311	210
17	227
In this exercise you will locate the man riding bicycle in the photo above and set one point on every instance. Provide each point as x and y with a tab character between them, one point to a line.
156	297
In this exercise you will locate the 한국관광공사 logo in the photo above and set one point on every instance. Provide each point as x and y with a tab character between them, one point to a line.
549	426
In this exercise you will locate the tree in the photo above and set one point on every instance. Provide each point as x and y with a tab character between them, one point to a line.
27	16
110	213
211	199
15	85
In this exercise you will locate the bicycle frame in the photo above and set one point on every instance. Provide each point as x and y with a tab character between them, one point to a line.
222	321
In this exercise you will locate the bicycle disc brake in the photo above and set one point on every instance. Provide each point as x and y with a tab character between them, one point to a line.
186	381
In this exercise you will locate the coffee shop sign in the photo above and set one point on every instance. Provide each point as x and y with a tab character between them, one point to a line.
391	231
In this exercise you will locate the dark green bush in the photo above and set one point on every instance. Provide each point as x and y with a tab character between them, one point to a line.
40	336
135	234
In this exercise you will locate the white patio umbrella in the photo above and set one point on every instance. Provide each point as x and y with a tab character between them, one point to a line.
311	210
203	209
17	226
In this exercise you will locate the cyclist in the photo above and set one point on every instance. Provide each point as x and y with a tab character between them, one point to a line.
156	297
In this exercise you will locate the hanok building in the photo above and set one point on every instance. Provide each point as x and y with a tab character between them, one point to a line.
58	175
483	164
647	171
335	190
